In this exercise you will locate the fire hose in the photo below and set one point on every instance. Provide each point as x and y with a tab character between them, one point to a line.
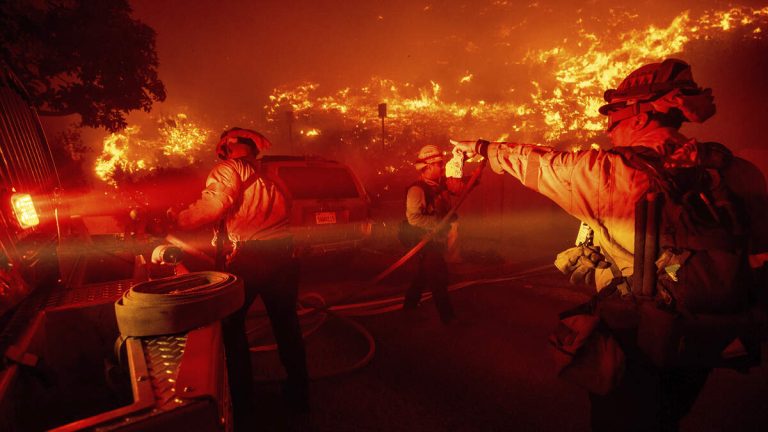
343	312
332	309
431	234
178	304
386	305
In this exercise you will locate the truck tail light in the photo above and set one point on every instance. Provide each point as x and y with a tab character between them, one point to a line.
24	209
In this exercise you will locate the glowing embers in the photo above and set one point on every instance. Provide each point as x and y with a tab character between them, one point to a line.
411	110
125	155
181	137
24	209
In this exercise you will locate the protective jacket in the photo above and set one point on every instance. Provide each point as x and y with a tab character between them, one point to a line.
599	188
253	206
425	208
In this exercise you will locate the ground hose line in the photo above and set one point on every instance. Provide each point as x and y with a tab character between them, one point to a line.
344	311
354	324
339	371
388	305
471	183
395	303
304	334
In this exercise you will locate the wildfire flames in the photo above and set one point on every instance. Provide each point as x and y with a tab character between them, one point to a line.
127	156
580	69
583	76
557	106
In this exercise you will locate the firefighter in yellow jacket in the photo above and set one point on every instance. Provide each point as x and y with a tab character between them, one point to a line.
601	188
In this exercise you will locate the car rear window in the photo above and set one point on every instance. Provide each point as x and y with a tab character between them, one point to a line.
306	182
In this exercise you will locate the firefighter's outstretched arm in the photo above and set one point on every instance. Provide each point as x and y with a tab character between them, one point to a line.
567	178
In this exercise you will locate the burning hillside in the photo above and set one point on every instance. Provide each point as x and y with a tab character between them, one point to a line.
559	88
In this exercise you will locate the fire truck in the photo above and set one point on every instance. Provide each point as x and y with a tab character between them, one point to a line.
64	365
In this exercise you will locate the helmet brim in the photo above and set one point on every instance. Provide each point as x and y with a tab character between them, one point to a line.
422	163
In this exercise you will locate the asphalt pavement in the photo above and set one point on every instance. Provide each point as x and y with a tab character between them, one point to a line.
491	370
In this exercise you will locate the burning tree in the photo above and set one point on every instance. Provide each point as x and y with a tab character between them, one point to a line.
130	156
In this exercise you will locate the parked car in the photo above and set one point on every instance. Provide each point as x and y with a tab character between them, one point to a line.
329	208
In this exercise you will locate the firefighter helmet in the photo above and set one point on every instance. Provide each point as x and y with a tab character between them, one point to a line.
427	155
235	134
659	87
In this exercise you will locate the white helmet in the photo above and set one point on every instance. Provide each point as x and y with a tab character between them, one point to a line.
427	155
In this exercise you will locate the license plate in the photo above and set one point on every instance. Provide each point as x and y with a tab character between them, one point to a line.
322	218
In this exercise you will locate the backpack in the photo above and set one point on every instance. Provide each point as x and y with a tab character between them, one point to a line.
691	259
408	234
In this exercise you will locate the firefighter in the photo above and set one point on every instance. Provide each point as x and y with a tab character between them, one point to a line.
427	202
601	188
251	214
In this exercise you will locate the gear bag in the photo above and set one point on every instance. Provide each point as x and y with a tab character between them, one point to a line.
585	351
691	272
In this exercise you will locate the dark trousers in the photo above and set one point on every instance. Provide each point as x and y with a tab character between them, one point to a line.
648	399
268	269
432	274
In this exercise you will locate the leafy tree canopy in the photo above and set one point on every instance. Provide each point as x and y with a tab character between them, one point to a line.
86	57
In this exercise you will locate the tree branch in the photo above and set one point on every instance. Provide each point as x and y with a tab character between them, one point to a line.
47	113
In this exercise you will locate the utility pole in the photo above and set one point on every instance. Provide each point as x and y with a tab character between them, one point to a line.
382	115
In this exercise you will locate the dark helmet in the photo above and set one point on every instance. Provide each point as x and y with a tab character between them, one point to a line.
659	87
243	135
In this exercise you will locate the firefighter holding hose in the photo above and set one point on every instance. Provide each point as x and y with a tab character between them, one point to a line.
428	201
251	216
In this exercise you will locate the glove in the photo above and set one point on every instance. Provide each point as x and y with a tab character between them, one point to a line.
455	167
466	147
580	262
583	274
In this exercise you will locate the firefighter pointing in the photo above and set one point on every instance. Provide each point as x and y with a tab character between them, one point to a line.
693	211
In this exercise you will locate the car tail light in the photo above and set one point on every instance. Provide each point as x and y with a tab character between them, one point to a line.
24	209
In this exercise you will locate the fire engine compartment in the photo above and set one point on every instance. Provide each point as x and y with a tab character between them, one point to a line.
65	358
69	340
72	343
